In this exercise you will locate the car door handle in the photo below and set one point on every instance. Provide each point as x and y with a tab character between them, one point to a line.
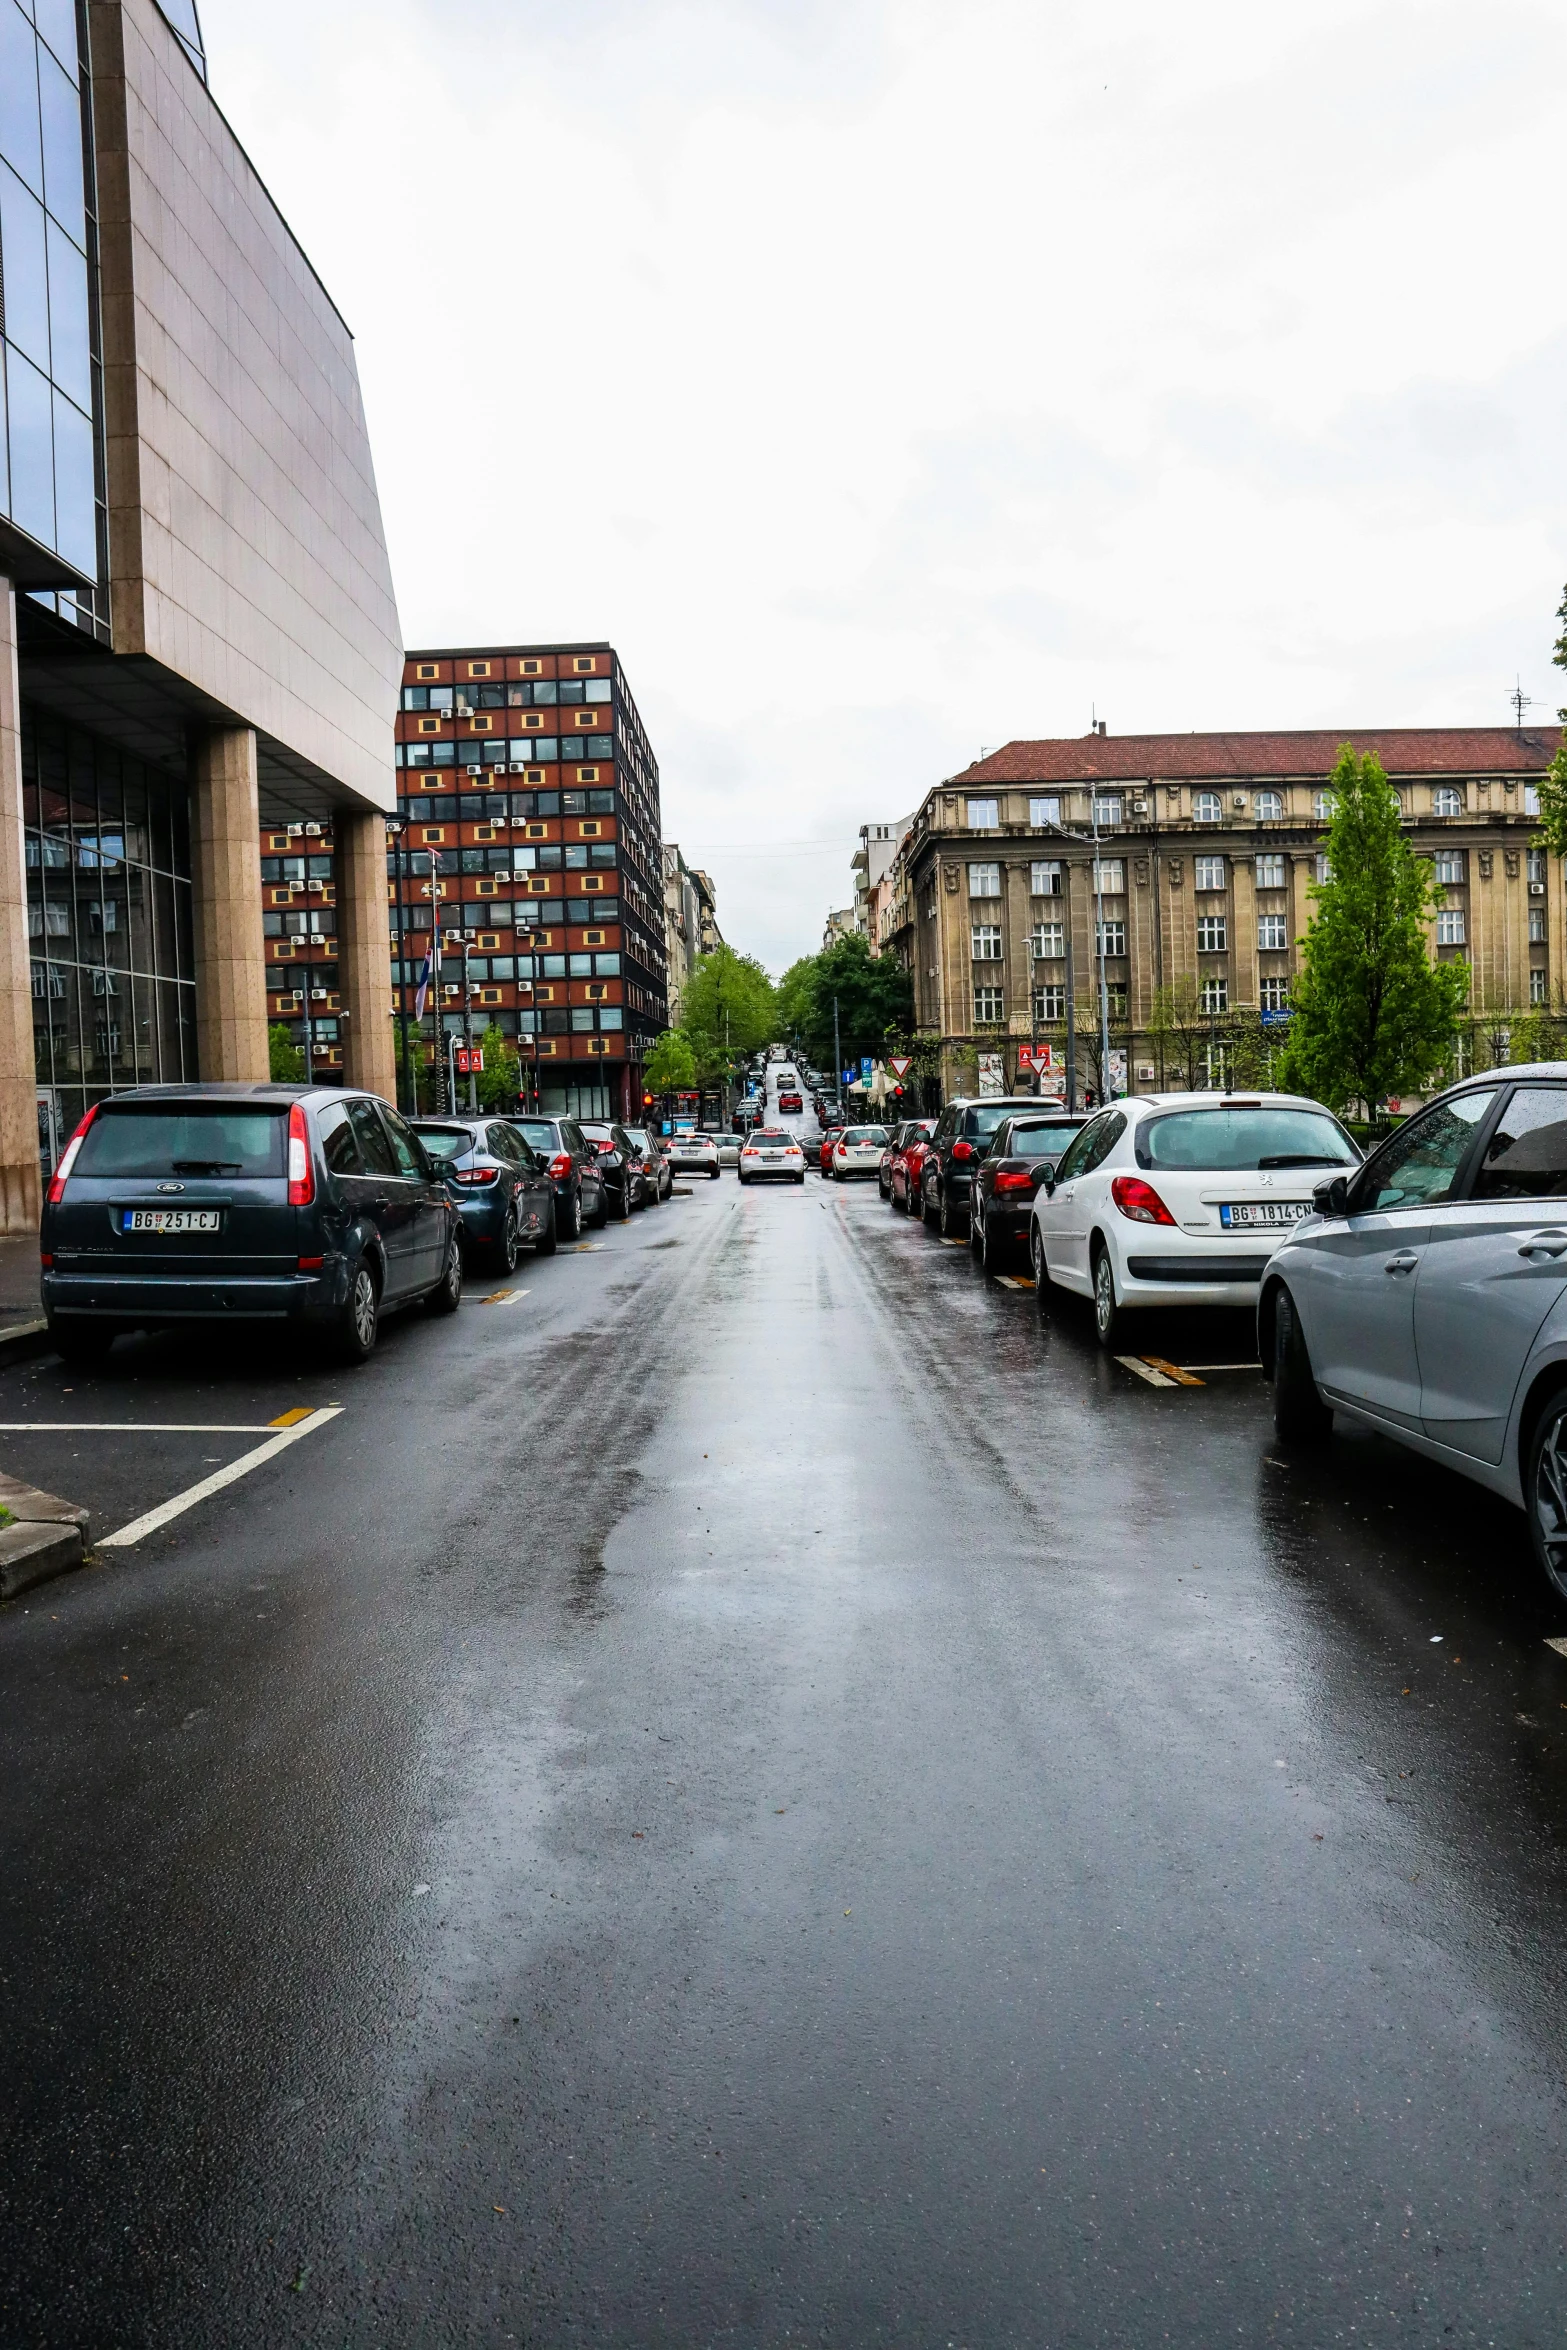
1544	1244
1405	1262
382	1206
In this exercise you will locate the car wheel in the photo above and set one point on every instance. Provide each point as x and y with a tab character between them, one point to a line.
928	1210
1109	1314
622	1206
992	1252
975	1235
568	1219
883	1187
81	1343
360	1321
800	1179
713	1174
948	1219
446	1296
600	1216
506	1247
1545	1491
1299	1413
544	1246
1039	1269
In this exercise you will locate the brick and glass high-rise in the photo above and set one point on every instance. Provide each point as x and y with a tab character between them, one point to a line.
525	772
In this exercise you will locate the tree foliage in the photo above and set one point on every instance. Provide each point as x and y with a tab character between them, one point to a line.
875	1002
1553	783
285	1058
728	1010
671	1065
1373	1015
500	1080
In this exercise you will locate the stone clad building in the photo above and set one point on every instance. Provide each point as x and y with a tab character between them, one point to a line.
197	624
1209	844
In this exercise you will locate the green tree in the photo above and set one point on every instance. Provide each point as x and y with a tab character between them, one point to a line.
1553	783
500	1080
728	1010
875	999
413	1073
1179	1031
1373	1015
285	1058
671	1065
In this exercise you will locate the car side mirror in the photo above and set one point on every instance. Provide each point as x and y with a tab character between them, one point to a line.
1041	1175
1048	1179
1332	1197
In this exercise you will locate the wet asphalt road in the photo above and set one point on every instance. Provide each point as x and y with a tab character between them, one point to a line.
762	1793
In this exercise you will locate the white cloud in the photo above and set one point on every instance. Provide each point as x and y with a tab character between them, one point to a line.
885	380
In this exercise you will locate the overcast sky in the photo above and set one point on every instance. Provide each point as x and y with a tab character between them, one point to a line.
889	379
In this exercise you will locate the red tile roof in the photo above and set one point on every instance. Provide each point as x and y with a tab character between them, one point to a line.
1142	758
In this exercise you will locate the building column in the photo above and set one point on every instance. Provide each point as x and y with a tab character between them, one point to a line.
364	951
231	985
20	1191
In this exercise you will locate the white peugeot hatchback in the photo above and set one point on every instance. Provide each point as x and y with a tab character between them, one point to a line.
1180	1199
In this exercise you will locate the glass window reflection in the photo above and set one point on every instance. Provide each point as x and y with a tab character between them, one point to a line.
22	255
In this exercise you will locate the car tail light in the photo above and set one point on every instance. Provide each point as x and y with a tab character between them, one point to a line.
311	1264
963	1150
560	1166
301	1173
1020	1181
68	1158
750	1154
476	1174
1139	1200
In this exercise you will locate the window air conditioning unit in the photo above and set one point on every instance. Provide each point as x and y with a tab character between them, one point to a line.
313	831
1537	889
294	831
1239	800
1139	807
318	995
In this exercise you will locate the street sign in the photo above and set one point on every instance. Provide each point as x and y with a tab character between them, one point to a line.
469	1062
900	1065
865	1070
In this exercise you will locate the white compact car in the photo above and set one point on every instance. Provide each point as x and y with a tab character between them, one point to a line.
857	1151
696	1154
771	1150
1180	1199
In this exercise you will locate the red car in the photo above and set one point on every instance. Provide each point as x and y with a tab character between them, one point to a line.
909	1146
830	1134
788	1102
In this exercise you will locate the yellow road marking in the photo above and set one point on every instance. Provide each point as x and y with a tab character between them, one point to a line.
1014	1281
291	1419
1144	1371
1173	1372
502	1297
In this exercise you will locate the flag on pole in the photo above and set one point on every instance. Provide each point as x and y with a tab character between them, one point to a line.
423	987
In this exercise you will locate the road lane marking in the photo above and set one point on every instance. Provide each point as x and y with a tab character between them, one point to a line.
141	1427
1145	1371
1014	1281
503	1297
301	1411
1172	1371
1221	1366
1560	1646
954	1244
140	1528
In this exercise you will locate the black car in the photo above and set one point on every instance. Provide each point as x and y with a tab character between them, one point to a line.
1022	1152
654	1163
962	1137
625	1184
502	1188
175	1204
580	1194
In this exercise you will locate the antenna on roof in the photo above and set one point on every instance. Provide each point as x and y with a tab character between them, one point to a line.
1096	724
1520	701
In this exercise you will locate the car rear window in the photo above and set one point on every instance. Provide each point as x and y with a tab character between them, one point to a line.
1040	1142
445	1142
981	1124
539	1132
865	1134
772	1135
1240	1141
185	1138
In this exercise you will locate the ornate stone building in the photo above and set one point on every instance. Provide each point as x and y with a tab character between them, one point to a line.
1208	847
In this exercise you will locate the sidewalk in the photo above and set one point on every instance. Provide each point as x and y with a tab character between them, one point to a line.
21	1299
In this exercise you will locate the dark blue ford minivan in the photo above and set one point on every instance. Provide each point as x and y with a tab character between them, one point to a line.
175	1204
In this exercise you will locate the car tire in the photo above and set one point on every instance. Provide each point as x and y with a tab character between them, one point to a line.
1039	1269
446	1296
929	1214
713	1174
1299	1413
1109	1313
800	1179
568	1222
947	1219
975	1235
993	1253
81	1344
544	1246
503	1256
1545	1490
597	1221
621	1208
359	1323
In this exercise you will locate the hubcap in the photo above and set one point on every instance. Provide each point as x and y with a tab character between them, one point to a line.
1550	1500
1104	1294
364	1308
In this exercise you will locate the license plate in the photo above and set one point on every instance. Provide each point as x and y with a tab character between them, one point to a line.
1265	1211
171	1219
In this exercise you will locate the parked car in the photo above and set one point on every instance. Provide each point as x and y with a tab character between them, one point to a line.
772	1151
789	1102
856	1150
698	1154
1179	1199
501	1187
174	1204
657	1175
961	1137
893	1163
729	1149
1022	1154
907	1162
624	1182
581	1194
1426	1296
831	1129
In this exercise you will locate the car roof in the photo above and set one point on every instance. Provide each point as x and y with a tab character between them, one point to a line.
1240	1099
266	1091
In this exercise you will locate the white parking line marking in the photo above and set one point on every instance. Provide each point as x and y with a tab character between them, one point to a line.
1560	1646
503	1297
139	1528
1145	1371
1221	1366
1172	1371
1014	1281
137	1427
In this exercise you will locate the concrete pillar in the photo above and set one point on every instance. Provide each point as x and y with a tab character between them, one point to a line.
225	827
364	950
20	1191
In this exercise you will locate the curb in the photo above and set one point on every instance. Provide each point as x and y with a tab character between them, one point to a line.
19	1341
47	1537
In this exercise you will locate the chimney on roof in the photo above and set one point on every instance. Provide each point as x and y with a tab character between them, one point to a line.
1100	726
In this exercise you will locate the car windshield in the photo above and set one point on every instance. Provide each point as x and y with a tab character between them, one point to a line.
1039	1142
185	1138
445	1142
1244	1140
865	1134
538	1131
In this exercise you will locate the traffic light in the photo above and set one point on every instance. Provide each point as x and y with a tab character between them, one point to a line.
647	1101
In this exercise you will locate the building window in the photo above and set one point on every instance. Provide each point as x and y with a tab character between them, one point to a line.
1206	807
1208	872
981	815
1212	934
1536	864
984	881
1322	807
1271	933
1043	812
1269	807
988	1009
1049	941
1044	881
1537	926
1216	1065
1270	872
1449	865
1107	809
1216	994
1275	994
1531	807
1537	994
1324	867
1050	1001
1116	998
1112	938
1450	926
1109	876
987	942
1447	800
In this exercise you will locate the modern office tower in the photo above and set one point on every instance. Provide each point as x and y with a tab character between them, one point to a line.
528	795
197	625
